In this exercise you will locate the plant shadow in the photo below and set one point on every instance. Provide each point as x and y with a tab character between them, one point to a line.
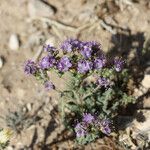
135	49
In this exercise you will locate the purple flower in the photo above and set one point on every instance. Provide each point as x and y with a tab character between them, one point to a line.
49	85
49	48
84	66
105	123
87	48
70	44
106	130
118	64
99	63
30	67
86	52
103	82
88	118
64	64
47	62
80	130
93	45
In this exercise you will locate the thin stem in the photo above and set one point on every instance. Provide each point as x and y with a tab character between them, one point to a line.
89	94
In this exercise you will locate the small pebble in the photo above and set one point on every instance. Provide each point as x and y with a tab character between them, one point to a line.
14	42
51	41
1	62
10	148
146	81
29	106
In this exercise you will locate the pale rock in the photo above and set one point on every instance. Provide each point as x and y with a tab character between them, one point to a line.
1	62
146	81
51	41
10	148
29	106
37	8
14	42
146	123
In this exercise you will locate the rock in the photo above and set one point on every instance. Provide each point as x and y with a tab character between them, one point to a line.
142	121
1	62
141	126
146	81
29	106
38	8
10	148
51	41
14	42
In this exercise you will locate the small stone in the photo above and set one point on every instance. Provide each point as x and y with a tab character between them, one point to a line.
10	148
1	62
37	8
29	106
146	81
14	42
51	41
142	122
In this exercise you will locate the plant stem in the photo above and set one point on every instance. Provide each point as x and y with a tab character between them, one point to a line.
89	94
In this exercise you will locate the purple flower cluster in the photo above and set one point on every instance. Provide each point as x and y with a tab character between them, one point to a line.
64	64
86	52
88	118
47	62
99	63
78	56
118	64
86	57
84	66
89	122
30	67
89	49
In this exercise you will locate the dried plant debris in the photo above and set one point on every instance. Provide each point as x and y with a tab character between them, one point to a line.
21	119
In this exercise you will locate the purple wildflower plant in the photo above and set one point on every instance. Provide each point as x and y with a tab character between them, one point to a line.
64	64
103	82
84	66
88	118
49	85
47	62
118	64
30	67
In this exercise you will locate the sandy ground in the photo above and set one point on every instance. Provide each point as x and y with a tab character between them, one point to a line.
121	27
